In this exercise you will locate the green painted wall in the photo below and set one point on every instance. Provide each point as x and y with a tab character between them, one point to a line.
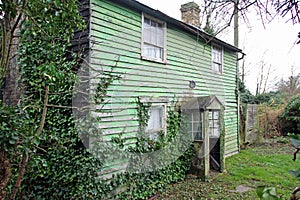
115	40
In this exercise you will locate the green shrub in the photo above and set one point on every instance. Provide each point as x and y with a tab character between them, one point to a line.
290	117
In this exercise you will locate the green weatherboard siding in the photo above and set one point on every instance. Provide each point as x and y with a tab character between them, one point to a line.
115	40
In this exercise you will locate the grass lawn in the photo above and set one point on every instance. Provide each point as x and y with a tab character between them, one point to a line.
262	165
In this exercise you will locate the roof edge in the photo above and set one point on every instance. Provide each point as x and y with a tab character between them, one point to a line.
134	4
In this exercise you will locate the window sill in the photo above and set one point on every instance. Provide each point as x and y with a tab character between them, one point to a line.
217	72
154	60
214	137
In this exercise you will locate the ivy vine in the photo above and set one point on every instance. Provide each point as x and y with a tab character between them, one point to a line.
41	154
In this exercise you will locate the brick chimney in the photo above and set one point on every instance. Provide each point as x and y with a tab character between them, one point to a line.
190	13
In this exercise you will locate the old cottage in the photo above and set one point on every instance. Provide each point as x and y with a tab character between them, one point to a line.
161	60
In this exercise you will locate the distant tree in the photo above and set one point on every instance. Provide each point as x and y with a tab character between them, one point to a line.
262	78
289	87
245	95
270	98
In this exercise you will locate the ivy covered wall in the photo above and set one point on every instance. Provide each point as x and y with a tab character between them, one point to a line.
42	156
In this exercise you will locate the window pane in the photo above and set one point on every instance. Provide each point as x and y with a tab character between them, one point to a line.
216	132
156	52
196	127
154	122
156	118
216	125
146	23
198	136
196	117
217	67
190	127
160	37
210	115
214	56
217	59
211	132
153	39
152	51
216	114
210	123
153	24
161	53
217	55
188	117
157	115
147	35
153	36
146	50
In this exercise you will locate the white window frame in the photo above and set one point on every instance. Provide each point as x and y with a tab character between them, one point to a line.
155	45
215	61
193	131
152	133
214	124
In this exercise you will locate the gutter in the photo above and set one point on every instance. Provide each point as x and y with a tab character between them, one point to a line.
243	55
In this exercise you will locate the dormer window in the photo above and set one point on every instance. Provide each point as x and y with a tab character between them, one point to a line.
153	39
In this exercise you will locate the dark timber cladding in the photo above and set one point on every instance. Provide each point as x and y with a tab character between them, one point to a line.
115	35
80	45
80	41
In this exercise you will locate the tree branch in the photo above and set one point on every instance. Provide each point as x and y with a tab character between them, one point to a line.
5	173
42	123
22	170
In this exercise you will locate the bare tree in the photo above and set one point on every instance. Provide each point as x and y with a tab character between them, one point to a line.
209	18
291	86
219	14
262	78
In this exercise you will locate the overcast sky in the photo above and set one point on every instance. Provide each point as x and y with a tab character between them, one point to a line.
274	44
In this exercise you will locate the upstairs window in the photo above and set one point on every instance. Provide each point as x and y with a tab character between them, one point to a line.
217	59
153	39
